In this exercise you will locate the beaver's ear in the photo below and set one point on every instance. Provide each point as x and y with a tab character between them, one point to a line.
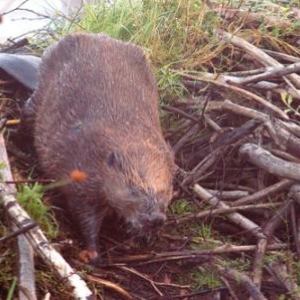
115	160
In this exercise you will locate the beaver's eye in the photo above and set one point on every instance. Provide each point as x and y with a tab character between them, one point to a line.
133	191
114	159
111	159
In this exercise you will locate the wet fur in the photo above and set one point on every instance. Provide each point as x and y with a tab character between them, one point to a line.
96	110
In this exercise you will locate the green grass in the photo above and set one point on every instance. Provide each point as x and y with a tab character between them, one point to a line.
30	198
182	206
12	289
7	273
173	34
203	278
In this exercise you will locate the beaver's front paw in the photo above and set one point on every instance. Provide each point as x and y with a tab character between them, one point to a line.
90	257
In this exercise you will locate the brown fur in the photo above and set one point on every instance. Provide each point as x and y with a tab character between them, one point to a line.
96	110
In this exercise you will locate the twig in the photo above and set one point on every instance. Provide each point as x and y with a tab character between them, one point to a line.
212	124
25	227
16	8
200	170
219	211
107	284
135	272
275	188
138	274
271	72
186	124
145	259
181	112
15	45
185	138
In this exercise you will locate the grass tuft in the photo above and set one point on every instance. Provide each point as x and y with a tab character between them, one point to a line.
174	35
30	198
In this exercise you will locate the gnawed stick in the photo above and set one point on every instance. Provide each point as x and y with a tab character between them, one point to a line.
244	111
26	270
263	159
235	217
26	276
229	195
35	236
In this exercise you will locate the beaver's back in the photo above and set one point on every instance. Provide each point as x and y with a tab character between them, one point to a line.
92	88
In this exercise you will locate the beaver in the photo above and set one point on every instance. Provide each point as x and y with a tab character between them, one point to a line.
96	111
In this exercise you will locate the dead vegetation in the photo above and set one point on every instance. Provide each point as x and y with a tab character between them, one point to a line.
233	226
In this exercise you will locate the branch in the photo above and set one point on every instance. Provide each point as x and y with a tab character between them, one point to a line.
263	159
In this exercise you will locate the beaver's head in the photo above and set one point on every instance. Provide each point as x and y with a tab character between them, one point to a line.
138	186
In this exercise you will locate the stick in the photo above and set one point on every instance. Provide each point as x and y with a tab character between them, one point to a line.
263	159
235	217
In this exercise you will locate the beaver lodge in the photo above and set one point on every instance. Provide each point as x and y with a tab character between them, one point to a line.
229	82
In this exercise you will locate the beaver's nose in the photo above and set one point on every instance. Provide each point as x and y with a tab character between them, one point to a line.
157	219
